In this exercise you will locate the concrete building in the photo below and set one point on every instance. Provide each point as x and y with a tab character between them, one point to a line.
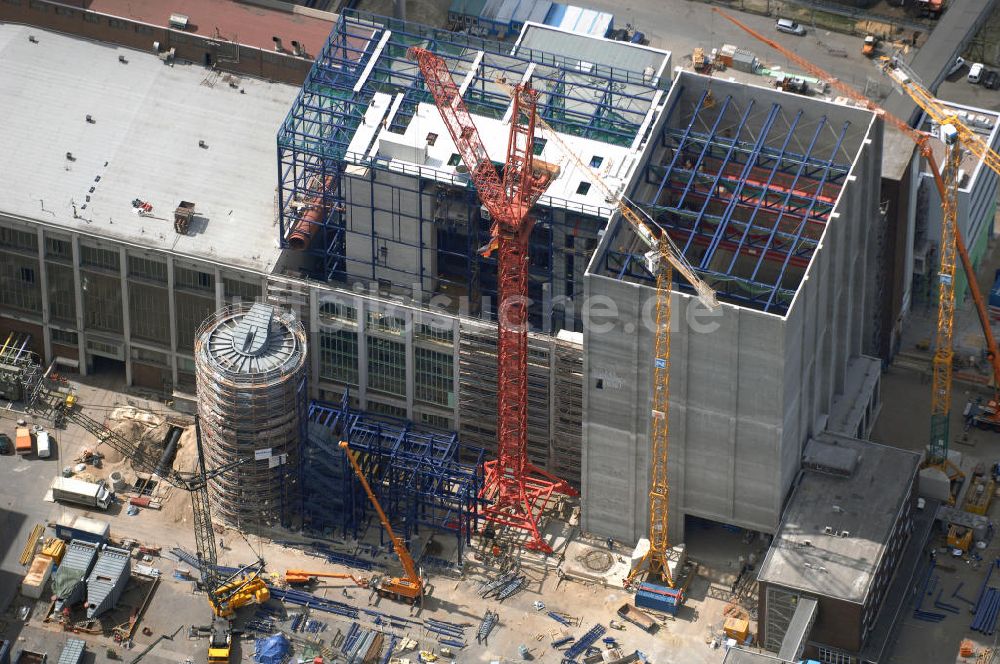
373	235
769	195
977	203
850	525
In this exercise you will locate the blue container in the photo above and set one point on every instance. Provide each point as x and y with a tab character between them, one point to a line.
659	598
4	652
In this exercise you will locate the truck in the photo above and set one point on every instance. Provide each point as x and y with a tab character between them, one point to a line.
637	617
72	490
870	46
22	440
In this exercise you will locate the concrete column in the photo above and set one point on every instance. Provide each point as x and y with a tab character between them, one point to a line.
43	282
172	309
456	373
313	354
126	314
78	295
220	294
408	348
362	305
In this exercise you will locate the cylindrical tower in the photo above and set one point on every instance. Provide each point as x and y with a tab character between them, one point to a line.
251	373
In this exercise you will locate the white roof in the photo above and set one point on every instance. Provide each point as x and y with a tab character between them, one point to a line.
148	118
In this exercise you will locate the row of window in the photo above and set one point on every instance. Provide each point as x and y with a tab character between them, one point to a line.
433	380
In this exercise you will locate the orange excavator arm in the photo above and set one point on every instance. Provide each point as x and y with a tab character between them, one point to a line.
412	586
301	576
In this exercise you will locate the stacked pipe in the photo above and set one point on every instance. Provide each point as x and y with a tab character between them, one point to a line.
314	602
987	607
584	642
512	588
446	631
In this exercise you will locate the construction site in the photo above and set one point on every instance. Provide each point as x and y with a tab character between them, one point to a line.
340	337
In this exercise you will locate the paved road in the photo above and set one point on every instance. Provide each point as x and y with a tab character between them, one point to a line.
681	25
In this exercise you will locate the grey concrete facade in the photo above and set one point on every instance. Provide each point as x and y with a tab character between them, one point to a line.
748	391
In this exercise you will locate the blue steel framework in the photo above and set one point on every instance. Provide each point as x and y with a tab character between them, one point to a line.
422	478
747	210
597	102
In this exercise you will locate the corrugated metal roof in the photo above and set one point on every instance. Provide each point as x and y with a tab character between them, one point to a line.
107	580
79	556
491	9
507	9
72	652
467	7
616	54
538	12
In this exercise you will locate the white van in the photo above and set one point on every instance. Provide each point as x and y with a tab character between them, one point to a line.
975	72
789	26
42	445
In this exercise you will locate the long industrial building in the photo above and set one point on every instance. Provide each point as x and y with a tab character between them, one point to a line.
345	200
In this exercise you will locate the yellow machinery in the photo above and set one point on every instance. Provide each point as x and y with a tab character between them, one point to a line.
662	258
301	577
959	537
410	587
954	134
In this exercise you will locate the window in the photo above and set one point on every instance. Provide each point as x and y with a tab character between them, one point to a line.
194	279
144	29
18	239
436	421
386	409
191	312
148	269
335	312
386	323
338	356
539	146
64	337
58	249
431	138
245	291
18	287
149	317
455	159
115	23
583	188
386	366
64	11
596	161
102	303
176	38
16	3
831	656
62	292
150	357
28	275
185	363
35	4
91	18
433	377
442	332
105	259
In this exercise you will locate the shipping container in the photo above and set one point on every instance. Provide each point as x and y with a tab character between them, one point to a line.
72	527
659	598
37	577
107	580
69	583
72	652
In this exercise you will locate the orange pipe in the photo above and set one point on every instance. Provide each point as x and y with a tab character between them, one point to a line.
305	226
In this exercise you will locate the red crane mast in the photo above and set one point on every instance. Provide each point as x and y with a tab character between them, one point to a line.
517	490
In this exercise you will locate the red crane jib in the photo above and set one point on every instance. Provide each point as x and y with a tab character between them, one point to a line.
518	492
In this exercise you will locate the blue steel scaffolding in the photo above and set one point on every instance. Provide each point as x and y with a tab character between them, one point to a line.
747	209
422	478
365	55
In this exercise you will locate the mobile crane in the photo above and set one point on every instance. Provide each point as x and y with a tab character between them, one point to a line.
410	587
226	593
954	134
662	257
301	577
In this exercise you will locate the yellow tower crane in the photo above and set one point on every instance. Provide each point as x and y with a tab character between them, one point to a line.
662	257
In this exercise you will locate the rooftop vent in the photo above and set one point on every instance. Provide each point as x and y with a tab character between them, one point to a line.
178	21
277	44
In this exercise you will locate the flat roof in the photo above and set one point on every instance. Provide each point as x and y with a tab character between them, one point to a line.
595	50
240	22
836	528
148	119
983	122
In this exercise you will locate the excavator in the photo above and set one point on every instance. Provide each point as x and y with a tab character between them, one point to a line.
227	593
409	588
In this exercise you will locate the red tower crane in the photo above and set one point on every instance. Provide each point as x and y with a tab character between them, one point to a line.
517	490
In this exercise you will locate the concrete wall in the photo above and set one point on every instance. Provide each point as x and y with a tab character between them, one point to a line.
746	394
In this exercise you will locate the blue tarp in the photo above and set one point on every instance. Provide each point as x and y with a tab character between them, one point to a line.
271	650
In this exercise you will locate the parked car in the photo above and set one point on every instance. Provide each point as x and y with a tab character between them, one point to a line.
958	64
976	72
991	80
6	447
789	26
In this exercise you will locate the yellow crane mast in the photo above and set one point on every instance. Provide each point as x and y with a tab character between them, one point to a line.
662	258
